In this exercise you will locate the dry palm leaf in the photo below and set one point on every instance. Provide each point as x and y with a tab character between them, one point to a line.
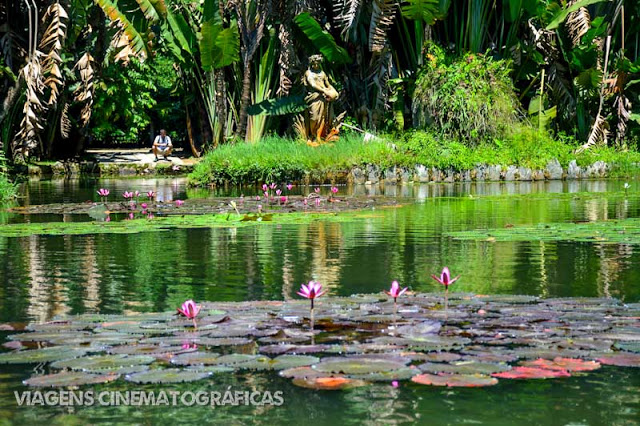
346	15
27	138
84	92
65	123
382	17
577	24
52	40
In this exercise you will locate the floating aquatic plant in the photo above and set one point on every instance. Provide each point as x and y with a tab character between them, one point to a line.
395	292
190	310
446	280
103	193
311	291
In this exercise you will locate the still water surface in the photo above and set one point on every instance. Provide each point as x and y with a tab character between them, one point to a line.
45	276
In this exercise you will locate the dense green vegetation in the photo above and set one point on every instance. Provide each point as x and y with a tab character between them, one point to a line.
77	71
281	159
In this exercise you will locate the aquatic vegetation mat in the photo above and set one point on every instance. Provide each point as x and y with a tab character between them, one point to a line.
186	221
626	231
516	337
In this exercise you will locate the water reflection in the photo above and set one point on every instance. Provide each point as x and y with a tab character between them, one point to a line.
45	276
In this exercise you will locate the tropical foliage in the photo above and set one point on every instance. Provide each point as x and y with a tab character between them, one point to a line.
237	67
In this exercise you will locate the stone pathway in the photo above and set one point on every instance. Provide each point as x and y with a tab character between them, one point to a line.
137	156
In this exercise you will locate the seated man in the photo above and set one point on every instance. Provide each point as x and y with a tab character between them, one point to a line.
162	145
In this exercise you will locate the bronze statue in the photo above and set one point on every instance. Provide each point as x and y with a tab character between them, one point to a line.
317	124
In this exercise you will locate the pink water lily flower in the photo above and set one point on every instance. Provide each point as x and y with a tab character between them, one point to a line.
144	206
278	192
317	202
127	195
283	200
289	186
445	278
311	290
150	216
150	195
273	186
265	187
317	189
131	216
395	291
103	192
334	189
190	310
266	194
179	203
136	194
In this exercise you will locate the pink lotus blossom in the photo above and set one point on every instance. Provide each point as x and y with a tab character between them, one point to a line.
103	192
445	278
334	189
311	291
305	202
127	195
179	203
266	194
265	187
144	206
257	198
150	195
273	186
190	310
136	194
108	219
131	216
317	202
175	168
317	189
395	291
259	208
395	384
278	192
283	200
289	186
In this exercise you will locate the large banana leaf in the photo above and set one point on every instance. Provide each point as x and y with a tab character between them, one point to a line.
540	116
321	39
426	11
219	46
153	10
114	14
279	106
182	32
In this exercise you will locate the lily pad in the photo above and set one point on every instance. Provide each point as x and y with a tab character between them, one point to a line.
103	362
629	347
455	380
196	358
621	359
328	383
358	365
167	375
145	349
74	378
567	364
464	367
50	354
531	373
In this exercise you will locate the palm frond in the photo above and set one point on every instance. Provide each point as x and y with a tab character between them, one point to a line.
53	39
382	16
577	24
153	10
84	92
26	140
65	123
346	15
599	133
129	40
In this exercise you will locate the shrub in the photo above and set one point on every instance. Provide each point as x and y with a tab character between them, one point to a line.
7	189
470	99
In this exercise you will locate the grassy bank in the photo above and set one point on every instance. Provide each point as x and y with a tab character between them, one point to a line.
280	159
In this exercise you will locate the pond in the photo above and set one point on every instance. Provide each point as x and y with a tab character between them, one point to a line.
43	276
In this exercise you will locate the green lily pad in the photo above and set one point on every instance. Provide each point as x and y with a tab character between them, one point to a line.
48	336
222	341
103	362
166	376
74	378
464	367
629	347
455	380
196	358
357	365
50	354
145	349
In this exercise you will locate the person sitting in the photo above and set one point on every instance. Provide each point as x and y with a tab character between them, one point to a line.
162	145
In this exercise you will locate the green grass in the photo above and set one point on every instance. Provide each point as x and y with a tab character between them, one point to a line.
277	159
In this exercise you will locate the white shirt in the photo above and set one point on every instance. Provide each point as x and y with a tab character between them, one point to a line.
162	143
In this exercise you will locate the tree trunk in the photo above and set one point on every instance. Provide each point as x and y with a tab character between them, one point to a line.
221	105
194	150
244	100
